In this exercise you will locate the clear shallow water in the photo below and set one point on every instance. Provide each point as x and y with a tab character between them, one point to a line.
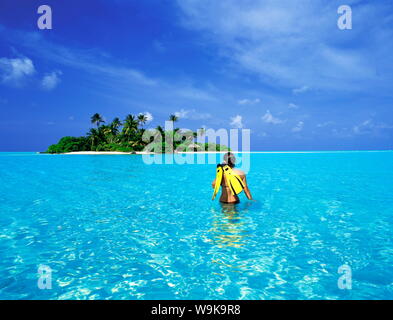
112	227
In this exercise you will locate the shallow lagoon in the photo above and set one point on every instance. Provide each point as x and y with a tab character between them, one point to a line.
112	227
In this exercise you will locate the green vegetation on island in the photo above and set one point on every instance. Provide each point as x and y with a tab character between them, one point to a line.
130	135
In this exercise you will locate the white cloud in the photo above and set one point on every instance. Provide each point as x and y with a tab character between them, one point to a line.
14	71
182	114
370	127
293	106
293	46
299	127
365	127
94	62
114	79
300	90
51	80
236	121
342	132
325	124
192	114
269	118
249	101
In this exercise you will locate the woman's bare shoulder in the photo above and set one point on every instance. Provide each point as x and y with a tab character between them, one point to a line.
239	172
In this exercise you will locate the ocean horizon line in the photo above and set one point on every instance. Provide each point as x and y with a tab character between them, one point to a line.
218	152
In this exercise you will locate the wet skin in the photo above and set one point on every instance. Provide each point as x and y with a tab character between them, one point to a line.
226	194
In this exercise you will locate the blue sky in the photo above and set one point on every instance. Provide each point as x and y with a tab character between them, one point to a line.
281	68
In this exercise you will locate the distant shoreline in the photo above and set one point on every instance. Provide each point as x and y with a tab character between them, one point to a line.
136	152
212	152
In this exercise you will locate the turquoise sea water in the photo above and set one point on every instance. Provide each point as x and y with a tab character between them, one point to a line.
112	227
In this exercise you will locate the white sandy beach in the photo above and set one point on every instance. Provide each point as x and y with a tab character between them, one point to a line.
208	152
97	152
137	152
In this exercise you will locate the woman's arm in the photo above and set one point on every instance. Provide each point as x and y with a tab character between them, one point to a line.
246	189
214	183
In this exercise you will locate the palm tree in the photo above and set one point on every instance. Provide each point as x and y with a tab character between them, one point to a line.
107	134
173	118
115	125
94	136
97	119
160	130
142	119
131	120
130	126
105	130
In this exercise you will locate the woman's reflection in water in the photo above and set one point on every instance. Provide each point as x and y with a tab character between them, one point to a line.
229	235
229	226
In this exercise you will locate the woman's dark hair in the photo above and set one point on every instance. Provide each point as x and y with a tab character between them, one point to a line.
229	159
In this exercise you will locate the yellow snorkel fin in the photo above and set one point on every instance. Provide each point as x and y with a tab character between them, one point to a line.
235	182
217	186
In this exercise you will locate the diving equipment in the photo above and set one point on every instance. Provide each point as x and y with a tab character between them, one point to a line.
217	186
234	182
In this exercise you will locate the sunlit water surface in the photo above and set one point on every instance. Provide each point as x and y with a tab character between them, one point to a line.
112	227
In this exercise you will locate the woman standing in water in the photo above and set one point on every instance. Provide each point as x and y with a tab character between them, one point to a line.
227	196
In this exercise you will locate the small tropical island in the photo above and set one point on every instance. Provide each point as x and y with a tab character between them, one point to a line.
129	136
